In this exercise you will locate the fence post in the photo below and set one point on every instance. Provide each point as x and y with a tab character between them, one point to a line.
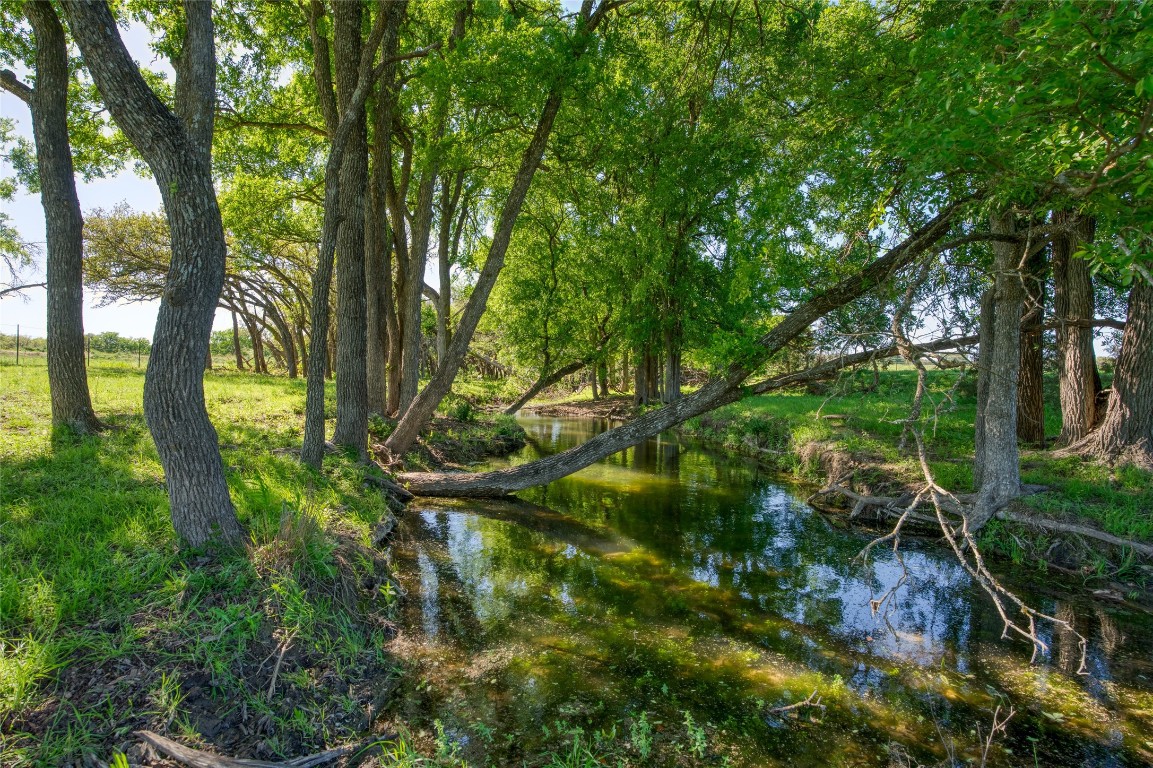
88	344
17	344
139	347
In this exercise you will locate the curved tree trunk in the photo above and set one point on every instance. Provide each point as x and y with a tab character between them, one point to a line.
543	382
351	321
718	391
1126	434
177	149
63	224
1077	375
1000	460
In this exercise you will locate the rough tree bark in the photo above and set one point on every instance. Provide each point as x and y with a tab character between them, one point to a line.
1126	434
351	322
1000	459
422	408
178	150
1078	380
378	281
63	224
1030	385
984	374
719	390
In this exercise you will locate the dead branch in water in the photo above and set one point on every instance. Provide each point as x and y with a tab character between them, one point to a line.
964	546
813	700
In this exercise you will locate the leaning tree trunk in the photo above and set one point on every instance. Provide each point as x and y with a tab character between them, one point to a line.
543	382
351	321
1000	462
1126	434
63	224
420	411
1077	376
718	391
178	150
1030	385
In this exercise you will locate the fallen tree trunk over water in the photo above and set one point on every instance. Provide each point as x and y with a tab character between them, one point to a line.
720	390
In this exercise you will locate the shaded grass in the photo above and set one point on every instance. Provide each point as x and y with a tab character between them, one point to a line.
95	592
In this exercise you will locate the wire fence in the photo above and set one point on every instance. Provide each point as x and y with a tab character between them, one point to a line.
29	348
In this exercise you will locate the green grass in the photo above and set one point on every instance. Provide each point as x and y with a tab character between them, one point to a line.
1118	500
93	588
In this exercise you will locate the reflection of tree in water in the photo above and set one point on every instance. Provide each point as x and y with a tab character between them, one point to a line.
662	541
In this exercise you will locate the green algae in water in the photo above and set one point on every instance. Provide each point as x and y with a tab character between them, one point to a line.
670	605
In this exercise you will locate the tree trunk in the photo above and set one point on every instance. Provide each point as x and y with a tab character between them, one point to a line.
672	378
422	408
641	382
284	337
351	322
1000	462
449	199
385	28
603	371
378	279
1126	434
543	382
1030	386
303	348
984	374
718	391
236	343
63	224
255	335
1077	375
177	149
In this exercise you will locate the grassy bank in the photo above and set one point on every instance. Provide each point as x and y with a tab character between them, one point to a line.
106	628
856	424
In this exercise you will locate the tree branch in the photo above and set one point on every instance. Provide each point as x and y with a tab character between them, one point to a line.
12	84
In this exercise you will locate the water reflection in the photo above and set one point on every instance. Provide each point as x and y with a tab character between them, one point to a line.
669	578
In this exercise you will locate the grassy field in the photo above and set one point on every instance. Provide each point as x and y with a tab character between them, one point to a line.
867	426
105	627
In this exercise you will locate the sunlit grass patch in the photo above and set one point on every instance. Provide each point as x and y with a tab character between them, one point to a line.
98	603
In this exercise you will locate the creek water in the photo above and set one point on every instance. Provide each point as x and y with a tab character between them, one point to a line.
663	606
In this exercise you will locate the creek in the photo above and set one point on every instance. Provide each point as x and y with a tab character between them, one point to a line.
664	607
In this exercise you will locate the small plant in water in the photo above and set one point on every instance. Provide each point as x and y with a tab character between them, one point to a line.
641	735
447	749
698	742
